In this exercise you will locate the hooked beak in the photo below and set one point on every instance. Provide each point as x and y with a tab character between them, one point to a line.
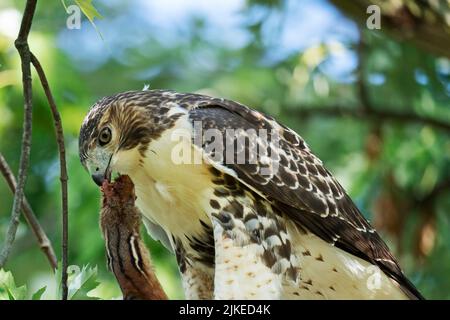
98	176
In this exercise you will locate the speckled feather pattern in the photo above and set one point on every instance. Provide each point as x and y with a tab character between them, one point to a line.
233	211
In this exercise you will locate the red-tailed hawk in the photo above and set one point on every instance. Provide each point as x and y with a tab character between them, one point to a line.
244	224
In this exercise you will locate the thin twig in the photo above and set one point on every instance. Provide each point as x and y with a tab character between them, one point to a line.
63	168
373	114
23	49
41	237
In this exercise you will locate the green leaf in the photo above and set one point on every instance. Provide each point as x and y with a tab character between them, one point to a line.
89	10
38	294
81	282
10	295
8	288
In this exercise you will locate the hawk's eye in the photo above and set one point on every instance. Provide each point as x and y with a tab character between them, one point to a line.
105	136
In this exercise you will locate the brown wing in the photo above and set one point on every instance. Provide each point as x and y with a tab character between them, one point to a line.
295	181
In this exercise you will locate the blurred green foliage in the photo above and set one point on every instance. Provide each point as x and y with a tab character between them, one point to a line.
257	62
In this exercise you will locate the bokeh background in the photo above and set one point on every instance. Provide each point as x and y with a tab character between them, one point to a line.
311	63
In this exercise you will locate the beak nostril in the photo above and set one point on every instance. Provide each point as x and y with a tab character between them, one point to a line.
96	169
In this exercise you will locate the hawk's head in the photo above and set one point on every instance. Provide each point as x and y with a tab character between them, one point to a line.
117	130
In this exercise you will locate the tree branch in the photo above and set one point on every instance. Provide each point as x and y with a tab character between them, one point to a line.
23	49
27	58
63	168
41	236
372	114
